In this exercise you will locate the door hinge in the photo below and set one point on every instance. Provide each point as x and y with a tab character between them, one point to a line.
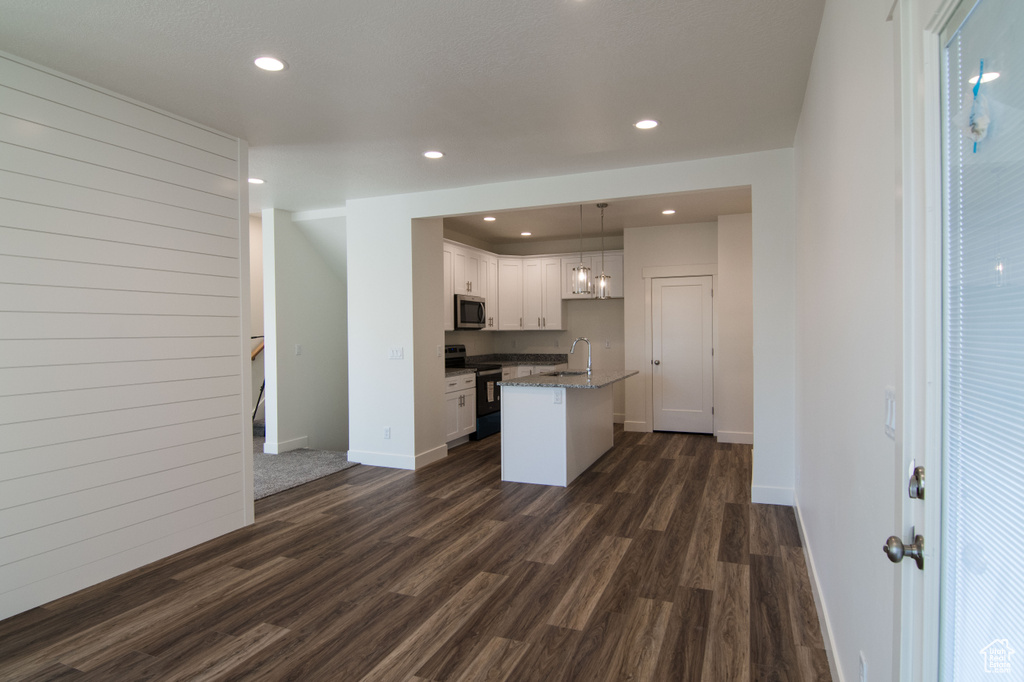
712	293
712	410
712	352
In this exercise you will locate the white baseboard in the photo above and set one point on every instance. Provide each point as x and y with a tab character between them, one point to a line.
285	445
382	459
619	418
432	455
745	437
762	494
819	602
640	427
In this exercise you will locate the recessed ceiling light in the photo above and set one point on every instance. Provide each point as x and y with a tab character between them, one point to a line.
525	234
490	218
985	78
668	211
646	124
433	155
269	63
255	181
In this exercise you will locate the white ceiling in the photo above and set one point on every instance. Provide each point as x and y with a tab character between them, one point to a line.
508	89
557	222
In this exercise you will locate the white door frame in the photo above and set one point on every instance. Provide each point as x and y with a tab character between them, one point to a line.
647	372
919	424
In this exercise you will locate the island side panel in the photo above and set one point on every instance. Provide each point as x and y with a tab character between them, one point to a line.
590	432
533	435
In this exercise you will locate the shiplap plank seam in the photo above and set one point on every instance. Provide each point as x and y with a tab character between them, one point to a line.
46	138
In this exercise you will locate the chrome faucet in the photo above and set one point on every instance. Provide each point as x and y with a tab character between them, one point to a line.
583	338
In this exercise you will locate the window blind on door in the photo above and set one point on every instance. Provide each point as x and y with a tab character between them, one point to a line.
982	607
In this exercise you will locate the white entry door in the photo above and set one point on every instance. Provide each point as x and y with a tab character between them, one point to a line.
681	354
963	614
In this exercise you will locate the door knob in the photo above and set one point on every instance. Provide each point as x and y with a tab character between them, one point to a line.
895	550
657	362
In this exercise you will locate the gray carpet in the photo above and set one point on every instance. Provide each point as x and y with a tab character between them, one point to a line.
274	473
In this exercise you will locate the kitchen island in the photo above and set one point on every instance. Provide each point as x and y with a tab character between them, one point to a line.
554	426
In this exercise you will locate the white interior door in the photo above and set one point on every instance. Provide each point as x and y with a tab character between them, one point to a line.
681	353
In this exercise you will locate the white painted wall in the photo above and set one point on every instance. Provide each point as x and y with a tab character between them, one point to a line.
124	365
305	301
734	323
380	251
428	352
847	331
657	246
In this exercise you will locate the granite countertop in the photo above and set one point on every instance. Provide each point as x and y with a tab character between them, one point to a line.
456	371
598	379
513	359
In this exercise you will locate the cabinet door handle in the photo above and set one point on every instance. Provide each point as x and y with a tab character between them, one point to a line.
538	321
545	322
520	323
469	286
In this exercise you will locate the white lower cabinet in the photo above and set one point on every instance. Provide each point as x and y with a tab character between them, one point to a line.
459	406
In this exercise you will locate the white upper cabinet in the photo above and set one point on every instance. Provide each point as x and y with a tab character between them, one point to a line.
542	293
510	294
612	267
489	266
520	292
466	276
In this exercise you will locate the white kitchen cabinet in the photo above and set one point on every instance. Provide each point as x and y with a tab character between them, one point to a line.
568	276
449	295
510	294
490	267
542	299
460	406
613	266
466	277
551	312
507	372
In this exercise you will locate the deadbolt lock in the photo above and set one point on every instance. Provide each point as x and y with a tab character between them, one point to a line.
916	487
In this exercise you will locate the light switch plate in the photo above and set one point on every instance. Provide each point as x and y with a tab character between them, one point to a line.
397	353
890	412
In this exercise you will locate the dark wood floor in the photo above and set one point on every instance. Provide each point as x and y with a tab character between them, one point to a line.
653	565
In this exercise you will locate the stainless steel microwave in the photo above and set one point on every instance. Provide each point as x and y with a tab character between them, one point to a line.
469	312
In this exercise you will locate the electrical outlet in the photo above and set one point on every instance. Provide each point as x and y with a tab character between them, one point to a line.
387	432
607	344
558	396
298	349
439	351
863	668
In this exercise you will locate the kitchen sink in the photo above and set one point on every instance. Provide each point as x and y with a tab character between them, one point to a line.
564	374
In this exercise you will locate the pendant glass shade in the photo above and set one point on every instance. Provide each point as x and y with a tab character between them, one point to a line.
581	279
581	273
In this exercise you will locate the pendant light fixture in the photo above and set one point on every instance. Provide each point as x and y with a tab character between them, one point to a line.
604	282
581	273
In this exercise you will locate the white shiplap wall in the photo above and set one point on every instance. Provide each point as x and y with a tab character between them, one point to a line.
124	431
